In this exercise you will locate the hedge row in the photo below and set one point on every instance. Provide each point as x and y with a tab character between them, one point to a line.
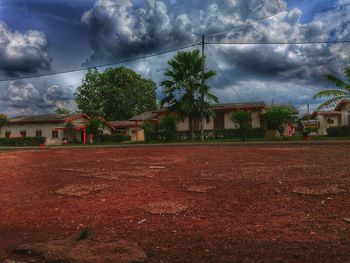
208	134
343	131
27	141
115	138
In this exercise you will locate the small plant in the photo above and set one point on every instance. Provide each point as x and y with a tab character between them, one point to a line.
168	126
84	234
243	119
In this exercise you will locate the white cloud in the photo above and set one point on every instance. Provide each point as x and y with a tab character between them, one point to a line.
22	52
21	97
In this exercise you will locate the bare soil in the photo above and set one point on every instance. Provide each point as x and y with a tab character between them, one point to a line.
212	203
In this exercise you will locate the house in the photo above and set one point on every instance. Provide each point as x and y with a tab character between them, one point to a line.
338	117
130	128
221	120
53	127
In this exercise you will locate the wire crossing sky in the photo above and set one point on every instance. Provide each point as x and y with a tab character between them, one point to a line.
272	50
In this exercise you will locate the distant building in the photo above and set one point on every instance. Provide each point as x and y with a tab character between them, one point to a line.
130	128
221	120
52	127
340	116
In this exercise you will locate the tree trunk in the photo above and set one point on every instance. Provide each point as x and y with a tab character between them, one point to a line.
190	126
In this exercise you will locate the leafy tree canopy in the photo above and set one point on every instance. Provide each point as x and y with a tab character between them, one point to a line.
241	117
279	115
182	88
115	94
3	119
95	127
61	110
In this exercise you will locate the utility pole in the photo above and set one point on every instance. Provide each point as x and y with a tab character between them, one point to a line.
202	89
308	115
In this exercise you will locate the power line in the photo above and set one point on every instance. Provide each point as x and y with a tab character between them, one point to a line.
223	74
253	21
101	65
248	64
280	43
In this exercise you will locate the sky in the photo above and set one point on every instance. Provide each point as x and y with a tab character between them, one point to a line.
44	37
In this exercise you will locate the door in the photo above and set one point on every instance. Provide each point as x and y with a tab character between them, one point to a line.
82	136
219	120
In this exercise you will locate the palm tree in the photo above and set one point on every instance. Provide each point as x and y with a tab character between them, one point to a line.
341	92
182	88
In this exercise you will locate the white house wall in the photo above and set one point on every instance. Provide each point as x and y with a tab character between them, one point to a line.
31	130
345	116
324	125
229	124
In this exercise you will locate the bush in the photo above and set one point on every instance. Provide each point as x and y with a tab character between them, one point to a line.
28	141
343	131
210	134
168	127
115	138
150	130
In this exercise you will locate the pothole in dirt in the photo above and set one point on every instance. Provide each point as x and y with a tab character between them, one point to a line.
221	177
87	251
81	190
70	170
200	188
165	207
115	174
318	190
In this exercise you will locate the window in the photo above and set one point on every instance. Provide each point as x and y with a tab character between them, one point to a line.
38	133
7	134
54	134
330	121
23	133
219	120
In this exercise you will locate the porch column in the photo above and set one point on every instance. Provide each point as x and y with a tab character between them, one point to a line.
137	130
85	136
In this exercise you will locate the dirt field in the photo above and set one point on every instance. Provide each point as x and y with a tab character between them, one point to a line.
180	204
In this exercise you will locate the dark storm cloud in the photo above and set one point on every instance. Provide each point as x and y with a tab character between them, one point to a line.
119	29
22	52
23	97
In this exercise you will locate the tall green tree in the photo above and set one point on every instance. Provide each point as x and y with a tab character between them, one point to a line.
182	87
278	116
243	119
95	128
335	95
3	120
70	128
115	94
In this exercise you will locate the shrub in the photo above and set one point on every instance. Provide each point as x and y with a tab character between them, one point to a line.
115	138
210	134
343	131
168	127
95	127
278	116
149	129
27	141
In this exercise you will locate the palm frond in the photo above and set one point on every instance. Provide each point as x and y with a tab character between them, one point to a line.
331	93
338	82
331	103
347	74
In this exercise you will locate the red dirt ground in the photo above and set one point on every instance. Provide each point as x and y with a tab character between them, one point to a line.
247	212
